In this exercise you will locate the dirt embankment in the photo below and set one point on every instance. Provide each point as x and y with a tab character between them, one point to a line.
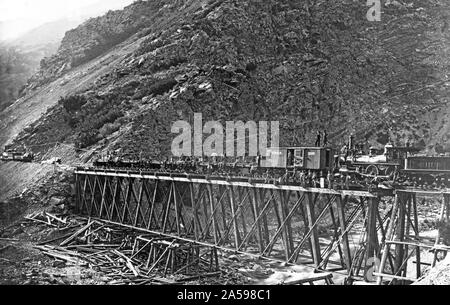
440	275
15	177
27	188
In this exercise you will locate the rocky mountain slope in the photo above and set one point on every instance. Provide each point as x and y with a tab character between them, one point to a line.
121	80
17	65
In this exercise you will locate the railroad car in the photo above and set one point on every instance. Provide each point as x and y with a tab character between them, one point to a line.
400	166
425	170
17	154
301	158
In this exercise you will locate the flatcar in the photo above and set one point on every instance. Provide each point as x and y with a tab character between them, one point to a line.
309	166
282	162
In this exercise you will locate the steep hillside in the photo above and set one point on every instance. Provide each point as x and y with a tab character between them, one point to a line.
126	77
16	67
48	33
96	36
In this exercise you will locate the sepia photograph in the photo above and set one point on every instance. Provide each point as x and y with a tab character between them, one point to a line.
224	150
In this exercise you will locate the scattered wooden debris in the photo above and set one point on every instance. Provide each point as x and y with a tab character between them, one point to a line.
9	239
79	232
5	248
47	218
311	279
124	256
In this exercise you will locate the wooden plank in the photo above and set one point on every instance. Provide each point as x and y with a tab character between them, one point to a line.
407	231
200	243
383	235
77	233
256	218
153	205
102	203
372	238
222	190
285	213
314	233
127	199
109	197
282	228
336	235
94	193
181	205
265	225
77	194
139	203
213	214
415	244
115	196
442	218
255	224
447	207
340	204
177	211
211	221
277	208
85	194
311	228
242	207
399	249
416	226
310	278
167	209
382	275
240	210
237	237
389	236
194	210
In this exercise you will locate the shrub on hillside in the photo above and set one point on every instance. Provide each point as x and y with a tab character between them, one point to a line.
160	87
88	138
72	103
109	129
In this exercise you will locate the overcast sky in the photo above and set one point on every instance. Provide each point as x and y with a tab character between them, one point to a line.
19	16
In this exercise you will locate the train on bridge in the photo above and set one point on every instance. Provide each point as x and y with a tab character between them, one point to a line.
322	167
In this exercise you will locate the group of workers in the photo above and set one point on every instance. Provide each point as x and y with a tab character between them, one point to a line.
321	138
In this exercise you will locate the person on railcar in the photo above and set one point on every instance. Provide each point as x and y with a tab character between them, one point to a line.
325	138
345	152
318	139
330	179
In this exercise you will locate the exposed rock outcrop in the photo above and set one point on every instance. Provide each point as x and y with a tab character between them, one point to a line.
311	65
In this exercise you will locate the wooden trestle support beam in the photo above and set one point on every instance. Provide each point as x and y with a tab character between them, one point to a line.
403	241
284	223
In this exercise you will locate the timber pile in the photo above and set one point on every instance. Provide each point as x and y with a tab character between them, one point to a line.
48	219
113	251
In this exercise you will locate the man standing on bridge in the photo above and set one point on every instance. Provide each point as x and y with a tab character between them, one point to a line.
317	144
325	138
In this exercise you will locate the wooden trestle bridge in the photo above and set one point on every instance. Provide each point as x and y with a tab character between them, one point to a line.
361	234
